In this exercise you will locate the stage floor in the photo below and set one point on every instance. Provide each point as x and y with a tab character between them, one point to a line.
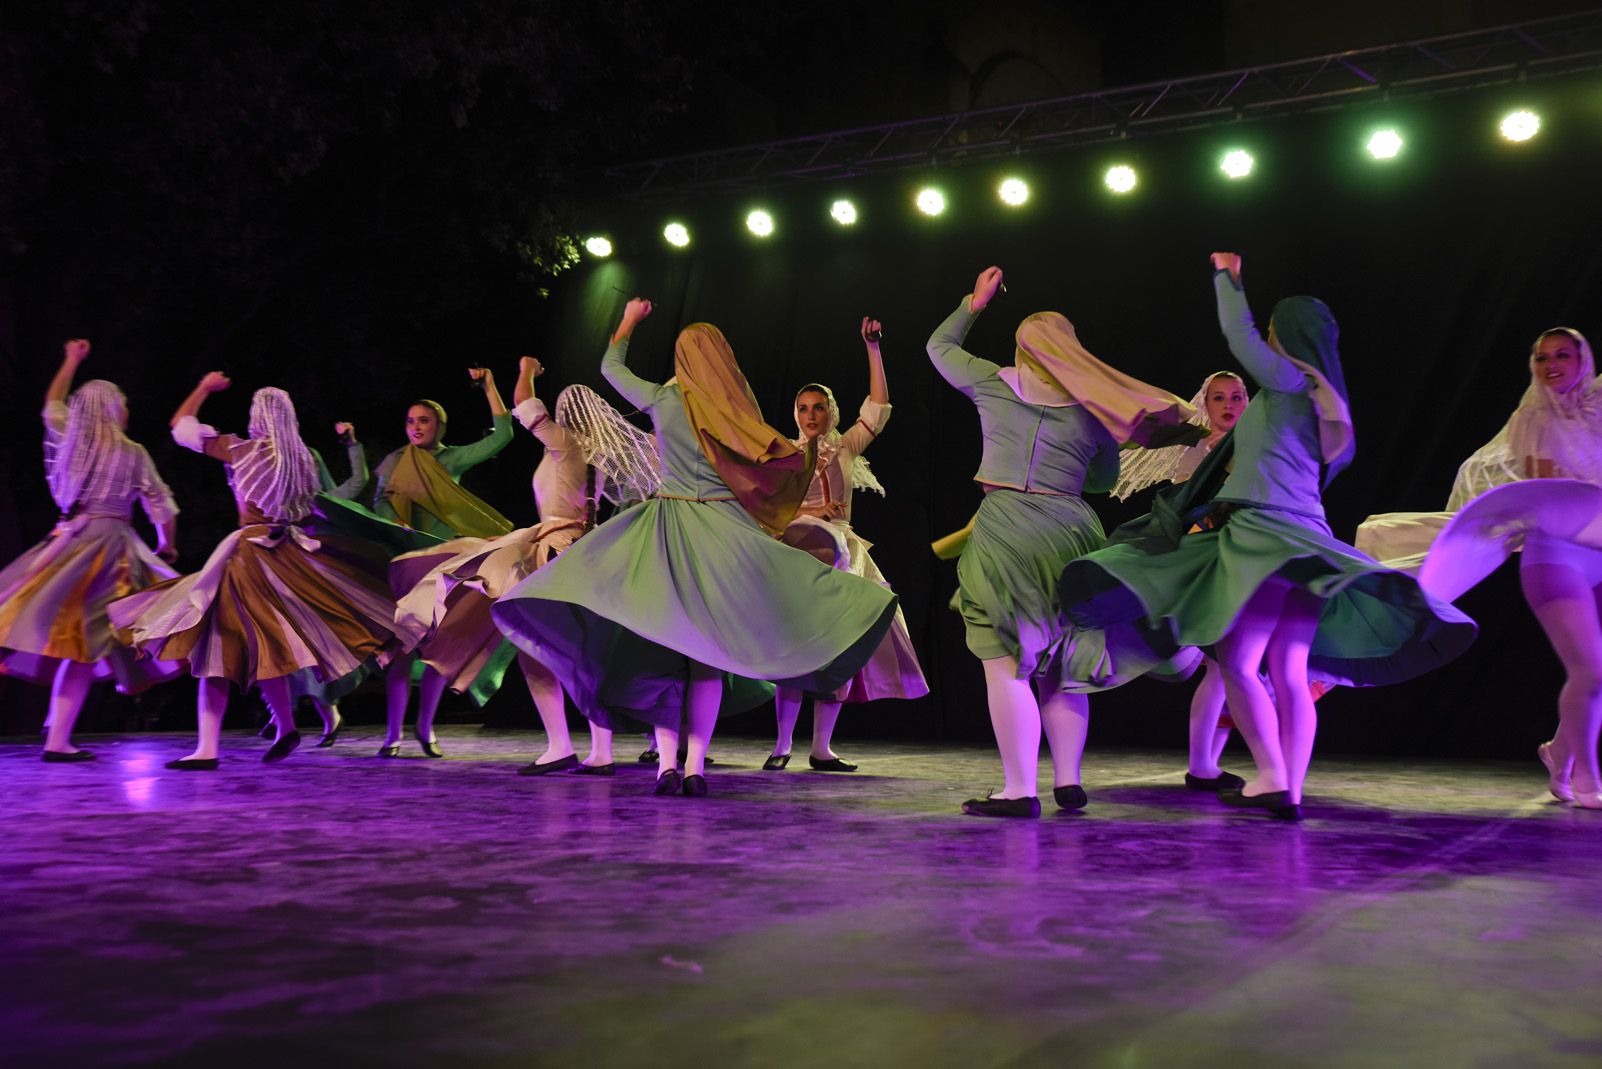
338	909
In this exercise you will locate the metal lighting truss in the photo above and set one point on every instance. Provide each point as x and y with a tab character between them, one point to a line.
1543	48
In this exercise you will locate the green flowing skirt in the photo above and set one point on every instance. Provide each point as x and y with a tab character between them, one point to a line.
1378	625
620	616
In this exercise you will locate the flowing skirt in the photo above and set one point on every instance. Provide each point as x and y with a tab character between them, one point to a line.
1007	580
270	602
450	604
53	602
1378	625
620	616
893	670
1554	521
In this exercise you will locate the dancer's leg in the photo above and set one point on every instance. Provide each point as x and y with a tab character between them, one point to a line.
429	691
1287	667
825	714
1567	610
328	712
67	693
275	692
210	705
546	691
1240	657
702	697
600	746
787	708
1065	718
397	692
1015	718
1206	738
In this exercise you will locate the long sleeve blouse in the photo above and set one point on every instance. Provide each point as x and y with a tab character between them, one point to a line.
560	476
1039	449
686	472
1278	460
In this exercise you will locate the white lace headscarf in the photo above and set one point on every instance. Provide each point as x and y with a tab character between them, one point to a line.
622	454
276	472
1564	427
82	462
1140	468
860	477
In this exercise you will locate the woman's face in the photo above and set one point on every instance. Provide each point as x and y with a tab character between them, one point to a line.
422	426
1557	362
1225	401
812	413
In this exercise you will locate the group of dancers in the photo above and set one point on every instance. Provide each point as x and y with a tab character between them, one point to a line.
728	575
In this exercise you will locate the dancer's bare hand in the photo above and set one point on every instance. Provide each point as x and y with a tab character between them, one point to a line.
985	287
530	367
482	377
77	350
1227	261
871	329
215	382
345	431
636	310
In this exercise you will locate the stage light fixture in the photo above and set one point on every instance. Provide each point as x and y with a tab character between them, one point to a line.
1237	163
1520	125
844	212
931	201
1013	192
760	223
598	246
1385	144
1120	178
677	235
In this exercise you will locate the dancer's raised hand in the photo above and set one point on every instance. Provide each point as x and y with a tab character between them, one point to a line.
482	377
636	310
346	432
531	367
1227	261
215	382
872	331
984	288
77	350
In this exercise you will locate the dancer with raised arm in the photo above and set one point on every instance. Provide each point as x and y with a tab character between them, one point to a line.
591	453
823	527
418	486
271	602
1239	559
1052	427
53	624
644	616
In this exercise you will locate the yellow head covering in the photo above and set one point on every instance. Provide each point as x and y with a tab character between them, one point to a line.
1134	412
766	471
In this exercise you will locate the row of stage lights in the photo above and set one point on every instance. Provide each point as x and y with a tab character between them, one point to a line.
1235	164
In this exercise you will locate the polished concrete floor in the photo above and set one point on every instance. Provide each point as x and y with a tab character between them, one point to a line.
340	910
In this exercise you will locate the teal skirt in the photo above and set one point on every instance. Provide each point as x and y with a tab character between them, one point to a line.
620	616
1378	625
1007	593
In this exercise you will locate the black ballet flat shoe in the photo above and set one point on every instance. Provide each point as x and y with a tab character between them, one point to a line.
695	786
430	746
649	757
59	757
389	749
830	764
668	783
281	749
608	769
328	737
194	764
776	762
1002	807
1277	803
1070	797
1224	781
266	729
561	764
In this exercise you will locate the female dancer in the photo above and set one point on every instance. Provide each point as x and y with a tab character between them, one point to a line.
1262	577
644	615
1052	426
271	602
1219	403
418	487
452	603
823	526
1554	440
53	598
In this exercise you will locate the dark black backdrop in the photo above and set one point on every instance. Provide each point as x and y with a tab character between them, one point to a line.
1440	266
